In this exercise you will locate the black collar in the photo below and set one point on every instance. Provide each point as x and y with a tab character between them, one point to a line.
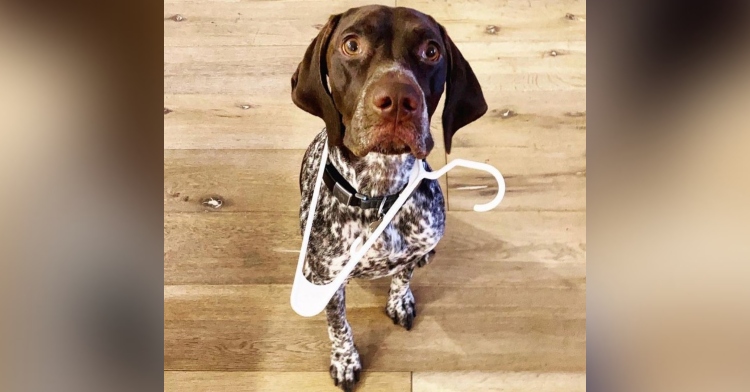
346	194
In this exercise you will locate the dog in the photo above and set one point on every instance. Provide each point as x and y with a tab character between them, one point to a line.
375	75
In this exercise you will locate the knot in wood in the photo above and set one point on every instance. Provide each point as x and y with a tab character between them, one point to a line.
214	202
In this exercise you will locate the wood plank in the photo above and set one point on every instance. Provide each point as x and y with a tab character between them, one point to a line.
496	382
480	248
268	180
227	247
534	180
542	157
488	10
211	121
231	70
234	69
218	23
252	328
280	381
530	28
220	122
509	126
245	180
529	58
221	23
270	303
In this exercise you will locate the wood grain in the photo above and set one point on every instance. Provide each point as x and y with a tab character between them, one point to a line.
501	307
252	327
247	248
232	69
508	10
279	381
269	23
245	180
220	122
269	303
268	180
257	23
214	121
497	382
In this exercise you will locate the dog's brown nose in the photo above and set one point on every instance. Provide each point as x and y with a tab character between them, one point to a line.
396	100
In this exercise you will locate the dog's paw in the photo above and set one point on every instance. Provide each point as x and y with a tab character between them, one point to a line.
426	259
345	368
402	309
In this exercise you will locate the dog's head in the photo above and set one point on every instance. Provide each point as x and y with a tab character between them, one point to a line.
375	75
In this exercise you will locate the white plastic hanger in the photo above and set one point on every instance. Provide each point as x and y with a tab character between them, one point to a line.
309	299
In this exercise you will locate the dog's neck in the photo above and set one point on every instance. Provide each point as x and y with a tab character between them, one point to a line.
374	174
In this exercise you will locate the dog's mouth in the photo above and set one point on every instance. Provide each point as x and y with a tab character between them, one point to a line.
392	147
390	139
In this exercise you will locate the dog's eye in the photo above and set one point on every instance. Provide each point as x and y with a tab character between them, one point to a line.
431	53
351	46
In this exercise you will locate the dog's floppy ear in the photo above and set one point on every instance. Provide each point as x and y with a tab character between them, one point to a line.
309	83
464	101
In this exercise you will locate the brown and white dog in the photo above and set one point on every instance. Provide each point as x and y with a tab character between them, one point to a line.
375	75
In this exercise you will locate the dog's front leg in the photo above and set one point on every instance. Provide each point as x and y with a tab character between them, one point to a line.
345	363
401	307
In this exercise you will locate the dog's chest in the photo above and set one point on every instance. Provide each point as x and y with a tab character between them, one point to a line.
414	231
409	236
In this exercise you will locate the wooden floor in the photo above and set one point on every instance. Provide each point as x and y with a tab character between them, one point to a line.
503	305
